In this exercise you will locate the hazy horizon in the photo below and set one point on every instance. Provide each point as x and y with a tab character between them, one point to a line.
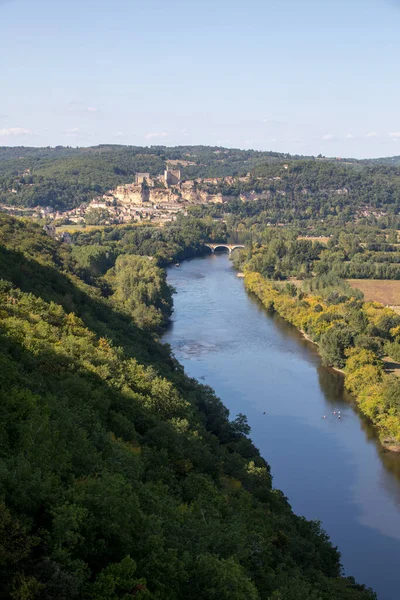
302	77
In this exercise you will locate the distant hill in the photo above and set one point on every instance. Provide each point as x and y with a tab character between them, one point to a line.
63	177
312	189
386	160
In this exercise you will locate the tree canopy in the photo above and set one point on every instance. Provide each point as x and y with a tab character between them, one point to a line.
120	476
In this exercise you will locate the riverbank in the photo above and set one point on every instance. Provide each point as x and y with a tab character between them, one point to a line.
307	337
375	392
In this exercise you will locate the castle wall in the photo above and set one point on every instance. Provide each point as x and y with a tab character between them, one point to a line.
172	177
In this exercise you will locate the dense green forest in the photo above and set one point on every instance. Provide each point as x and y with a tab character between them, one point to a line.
177	240
348	253
303	191
282	188
121	477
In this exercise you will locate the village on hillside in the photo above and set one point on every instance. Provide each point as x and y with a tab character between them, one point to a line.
157	199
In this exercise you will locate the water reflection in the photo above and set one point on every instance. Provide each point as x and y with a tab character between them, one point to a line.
331	383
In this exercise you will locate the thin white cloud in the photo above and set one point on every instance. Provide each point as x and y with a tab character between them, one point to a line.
394	134
15	131
349	136
372	134
328	136
155	134
118	133
74	132
92	109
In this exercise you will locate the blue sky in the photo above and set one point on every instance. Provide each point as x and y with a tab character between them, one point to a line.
306	77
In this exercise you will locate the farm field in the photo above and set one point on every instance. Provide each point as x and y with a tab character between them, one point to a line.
78	227
386	291
315	238
73	228
296	282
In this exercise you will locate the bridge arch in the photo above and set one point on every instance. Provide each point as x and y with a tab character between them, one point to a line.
220	247
229	247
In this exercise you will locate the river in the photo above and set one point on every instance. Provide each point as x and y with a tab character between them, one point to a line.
331	470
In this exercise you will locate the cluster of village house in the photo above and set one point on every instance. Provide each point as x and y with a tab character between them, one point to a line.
157	199
131	202
147	198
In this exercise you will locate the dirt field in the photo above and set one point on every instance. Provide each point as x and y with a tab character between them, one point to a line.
296	282
72	228
76	227
184	163
379	290
314	238
391	366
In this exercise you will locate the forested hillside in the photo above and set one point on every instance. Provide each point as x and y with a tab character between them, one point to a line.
286	188
119	476
299	192
65	177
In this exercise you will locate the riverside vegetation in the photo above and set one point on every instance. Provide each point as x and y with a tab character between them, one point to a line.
120	476
352	335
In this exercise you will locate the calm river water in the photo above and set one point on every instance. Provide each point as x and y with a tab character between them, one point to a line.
332	470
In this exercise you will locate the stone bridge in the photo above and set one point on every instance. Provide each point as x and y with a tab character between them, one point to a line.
229	247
